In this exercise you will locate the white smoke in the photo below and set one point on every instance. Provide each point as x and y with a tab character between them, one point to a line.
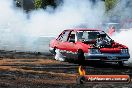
124	37
123	12
123	9
70	14
12	24
19	31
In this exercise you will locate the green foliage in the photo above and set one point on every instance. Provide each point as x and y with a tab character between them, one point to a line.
38	3
110	4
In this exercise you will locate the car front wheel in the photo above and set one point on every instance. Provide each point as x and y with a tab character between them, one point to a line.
80	57
58	55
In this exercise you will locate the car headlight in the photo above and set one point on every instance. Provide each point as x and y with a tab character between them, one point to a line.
124	50
94	51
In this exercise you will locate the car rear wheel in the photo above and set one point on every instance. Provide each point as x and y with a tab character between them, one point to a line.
58	55
121	63
80	57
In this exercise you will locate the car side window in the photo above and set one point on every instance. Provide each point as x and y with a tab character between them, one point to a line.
64	36
71	37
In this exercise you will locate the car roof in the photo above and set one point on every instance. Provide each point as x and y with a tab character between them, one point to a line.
82	29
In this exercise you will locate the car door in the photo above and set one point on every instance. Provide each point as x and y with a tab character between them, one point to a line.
71	45
62	41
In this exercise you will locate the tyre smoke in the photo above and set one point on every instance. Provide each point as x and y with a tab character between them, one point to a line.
22	31
123	12
124	37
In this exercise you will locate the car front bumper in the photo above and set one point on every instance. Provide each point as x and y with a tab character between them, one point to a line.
107	57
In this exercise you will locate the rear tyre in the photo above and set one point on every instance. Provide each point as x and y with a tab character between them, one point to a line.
58	55
121	63
80	57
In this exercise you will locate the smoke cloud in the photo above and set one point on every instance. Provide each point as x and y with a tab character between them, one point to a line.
123	13
21	31
124	38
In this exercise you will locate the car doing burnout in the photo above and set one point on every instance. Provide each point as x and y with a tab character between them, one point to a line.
88	44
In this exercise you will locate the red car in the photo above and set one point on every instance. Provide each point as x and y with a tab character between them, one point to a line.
88	44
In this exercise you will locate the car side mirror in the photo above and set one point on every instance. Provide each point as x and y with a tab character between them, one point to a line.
72	40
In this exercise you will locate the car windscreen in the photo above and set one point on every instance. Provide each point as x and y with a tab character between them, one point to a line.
89	35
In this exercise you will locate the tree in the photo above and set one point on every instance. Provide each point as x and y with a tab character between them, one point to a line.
110	4
38	3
